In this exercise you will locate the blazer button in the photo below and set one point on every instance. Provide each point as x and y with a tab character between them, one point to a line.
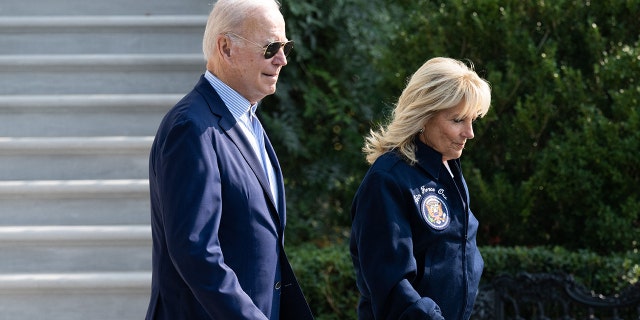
278	285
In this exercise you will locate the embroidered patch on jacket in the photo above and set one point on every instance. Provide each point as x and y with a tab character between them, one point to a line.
435	212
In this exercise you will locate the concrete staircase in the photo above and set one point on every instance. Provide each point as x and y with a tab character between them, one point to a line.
83	87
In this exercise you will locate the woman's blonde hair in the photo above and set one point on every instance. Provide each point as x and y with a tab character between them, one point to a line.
439	84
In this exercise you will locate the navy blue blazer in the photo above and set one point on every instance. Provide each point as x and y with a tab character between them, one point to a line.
217	231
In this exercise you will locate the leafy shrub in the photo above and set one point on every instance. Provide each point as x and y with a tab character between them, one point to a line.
553	163
328	280
603	274
321	110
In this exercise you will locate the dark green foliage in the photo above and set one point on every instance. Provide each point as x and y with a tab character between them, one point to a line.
328	280
322	110
553	163
549	164
603	274
605	169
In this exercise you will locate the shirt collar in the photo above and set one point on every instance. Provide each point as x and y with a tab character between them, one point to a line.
235	102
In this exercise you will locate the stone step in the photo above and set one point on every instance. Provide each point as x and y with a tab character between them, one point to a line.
99	73
76	202
74	282
112	7
74	145
101	34
64	296
83	114
111	103
38	63
93	208
84	86
74	158
36	249
38	236
74	189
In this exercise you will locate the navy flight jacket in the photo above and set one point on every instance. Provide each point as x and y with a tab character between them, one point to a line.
413	240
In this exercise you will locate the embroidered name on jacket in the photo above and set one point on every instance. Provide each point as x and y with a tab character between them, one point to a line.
433	207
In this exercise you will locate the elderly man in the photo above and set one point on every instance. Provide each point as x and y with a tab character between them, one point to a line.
217	193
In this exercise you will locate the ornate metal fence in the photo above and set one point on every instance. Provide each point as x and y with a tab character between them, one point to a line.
546	296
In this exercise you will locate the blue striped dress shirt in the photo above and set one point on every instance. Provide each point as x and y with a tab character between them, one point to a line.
244	113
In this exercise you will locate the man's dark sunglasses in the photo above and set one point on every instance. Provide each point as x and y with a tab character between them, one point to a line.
270	49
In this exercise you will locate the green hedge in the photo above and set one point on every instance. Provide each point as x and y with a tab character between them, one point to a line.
554	163
328	280
553	170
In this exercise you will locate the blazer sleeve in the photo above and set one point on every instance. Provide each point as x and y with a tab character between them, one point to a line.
382	234
189	185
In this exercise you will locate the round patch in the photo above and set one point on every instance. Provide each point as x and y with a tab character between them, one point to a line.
435	212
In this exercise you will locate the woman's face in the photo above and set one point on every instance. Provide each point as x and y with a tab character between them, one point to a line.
448	131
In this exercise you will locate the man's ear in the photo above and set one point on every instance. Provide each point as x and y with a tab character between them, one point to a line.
224	46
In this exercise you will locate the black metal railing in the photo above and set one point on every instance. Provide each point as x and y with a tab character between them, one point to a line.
547	296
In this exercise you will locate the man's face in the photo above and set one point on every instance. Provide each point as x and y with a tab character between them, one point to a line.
253	76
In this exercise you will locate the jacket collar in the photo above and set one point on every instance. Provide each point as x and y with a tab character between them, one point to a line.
429	159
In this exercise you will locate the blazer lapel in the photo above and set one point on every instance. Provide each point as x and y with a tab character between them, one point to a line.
244	146
281	201
228	123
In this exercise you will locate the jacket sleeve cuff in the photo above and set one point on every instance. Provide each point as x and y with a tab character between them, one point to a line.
422	309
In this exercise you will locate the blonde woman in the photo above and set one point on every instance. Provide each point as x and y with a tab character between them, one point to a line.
413	237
